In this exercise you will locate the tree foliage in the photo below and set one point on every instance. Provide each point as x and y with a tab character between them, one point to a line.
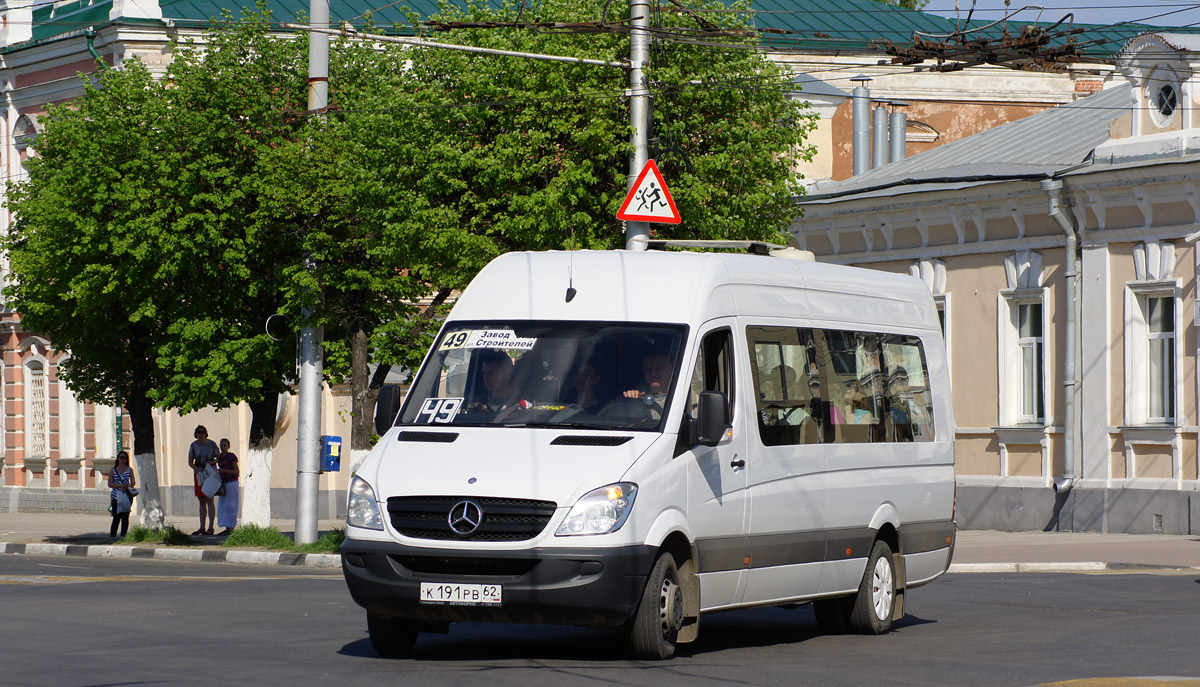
87	243
431	162
165	221
138	245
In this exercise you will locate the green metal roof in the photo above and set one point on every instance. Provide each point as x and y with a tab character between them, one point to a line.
821	25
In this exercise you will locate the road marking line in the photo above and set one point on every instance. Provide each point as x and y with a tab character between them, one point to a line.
65	579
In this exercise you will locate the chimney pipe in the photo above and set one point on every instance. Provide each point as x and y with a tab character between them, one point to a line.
861	102
899	132
879	135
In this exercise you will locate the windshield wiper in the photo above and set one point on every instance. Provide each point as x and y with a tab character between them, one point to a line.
563	425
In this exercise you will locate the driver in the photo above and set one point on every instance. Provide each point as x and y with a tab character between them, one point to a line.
656	368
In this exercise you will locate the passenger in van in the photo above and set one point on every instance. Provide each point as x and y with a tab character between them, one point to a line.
497	380
583	390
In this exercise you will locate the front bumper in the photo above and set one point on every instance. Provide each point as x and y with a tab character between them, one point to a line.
596	587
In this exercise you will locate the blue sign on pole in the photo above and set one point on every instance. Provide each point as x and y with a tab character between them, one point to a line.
331	453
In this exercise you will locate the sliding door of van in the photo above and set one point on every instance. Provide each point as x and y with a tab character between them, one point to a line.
882	463
785	531
716	475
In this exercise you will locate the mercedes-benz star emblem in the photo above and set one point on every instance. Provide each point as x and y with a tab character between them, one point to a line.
465	517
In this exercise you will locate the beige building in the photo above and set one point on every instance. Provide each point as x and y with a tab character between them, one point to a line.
57	450
994	224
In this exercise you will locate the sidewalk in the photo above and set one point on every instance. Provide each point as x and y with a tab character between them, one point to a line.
86	534
975	550
990	551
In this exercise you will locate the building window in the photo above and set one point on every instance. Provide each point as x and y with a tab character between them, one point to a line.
38	437
1030	345
1022	363
1160	335
1166	99
1151	353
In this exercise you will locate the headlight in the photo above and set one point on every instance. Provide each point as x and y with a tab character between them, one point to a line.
362	510
600	511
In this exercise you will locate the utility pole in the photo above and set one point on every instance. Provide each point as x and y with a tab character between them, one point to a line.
308	441
637	234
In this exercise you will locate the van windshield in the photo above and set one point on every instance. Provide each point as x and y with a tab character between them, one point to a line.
594	375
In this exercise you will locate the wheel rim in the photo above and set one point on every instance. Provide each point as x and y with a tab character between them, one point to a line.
670	607
882	589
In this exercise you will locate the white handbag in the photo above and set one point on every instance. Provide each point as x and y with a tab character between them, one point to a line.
210	481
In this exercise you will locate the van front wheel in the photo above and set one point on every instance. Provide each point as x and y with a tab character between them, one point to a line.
875	602
390	637
659	616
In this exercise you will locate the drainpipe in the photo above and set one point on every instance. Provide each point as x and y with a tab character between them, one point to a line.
90	34
861	104
879	133
1072	457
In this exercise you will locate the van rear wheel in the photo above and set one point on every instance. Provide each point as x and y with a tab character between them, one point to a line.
875	602
391	637
655	628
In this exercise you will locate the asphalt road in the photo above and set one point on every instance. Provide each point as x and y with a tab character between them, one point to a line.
75	622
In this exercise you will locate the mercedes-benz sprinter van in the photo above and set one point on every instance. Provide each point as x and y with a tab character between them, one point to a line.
630	440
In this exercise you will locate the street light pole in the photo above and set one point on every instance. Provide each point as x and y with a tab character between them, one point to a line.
308	441
637	234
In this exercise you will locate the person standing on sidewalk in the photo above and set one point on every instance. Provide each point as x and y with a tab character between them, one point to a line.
121	480
201	453
227	468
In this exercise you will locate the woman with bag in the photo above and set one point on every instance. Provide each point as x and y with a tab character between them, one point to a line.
227	510
122	482
202	459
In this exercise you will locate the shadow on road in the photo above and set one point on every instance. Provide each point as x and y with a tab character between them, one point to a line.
472	642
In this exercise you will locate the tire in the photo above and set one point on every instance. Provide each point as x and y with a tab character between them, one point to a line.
833	615
389	637
875	602
655	627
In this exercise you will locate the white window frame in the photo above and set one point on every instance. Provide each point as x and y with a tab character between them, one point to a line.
1011	380
37	411
1137	352
942	302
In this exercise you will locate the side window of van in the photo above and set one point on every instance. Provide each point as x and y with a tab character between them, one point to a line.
910	403
787	386
714	368
878	387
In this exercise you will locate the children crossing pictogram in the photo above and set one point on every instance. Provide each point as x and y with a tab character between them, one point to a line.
649	199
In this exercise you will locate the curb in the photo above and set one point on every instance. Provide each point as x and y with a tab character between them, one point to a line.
334	560
1076	567
310	560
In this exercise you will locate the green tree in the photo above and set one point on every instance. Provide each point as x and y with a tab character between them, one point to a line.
230	99
140	246
443	160
85	254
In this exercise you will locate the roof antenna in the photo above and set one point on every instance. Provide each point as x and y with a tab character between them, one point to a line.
571	277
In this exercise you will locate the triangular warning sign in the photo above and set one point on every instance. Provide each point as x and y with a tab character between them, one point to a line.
649	200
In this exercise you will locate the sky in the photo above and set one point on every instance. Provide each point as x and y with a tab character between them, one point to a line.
1154	12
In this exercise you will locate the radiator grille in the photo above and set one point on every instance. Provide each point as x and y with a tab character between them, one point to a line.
428	517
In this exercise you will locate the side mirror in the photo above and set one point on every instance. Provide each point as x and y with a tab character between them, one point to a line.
386	408
712	422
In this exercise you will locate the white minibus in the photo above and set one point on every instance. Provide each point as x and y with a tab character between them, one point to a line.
633	439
